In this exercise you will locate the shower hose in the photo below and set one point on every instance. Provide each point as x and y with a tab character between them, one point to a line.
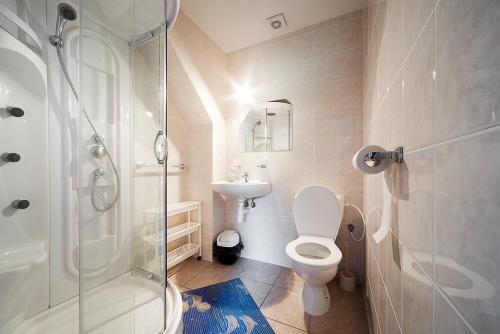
96	176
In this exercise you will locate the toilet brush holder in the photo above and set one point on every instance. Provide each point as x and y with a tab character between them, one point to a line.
347	281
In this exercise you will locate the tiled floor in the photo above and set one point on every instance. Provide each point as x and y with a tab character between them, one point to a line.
277	292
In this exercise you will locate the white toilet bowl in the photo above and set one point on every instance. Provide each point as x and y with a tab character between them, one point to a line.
315	257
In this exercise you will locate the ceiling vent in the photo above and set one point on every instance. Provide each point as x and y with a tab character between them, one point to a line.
277	21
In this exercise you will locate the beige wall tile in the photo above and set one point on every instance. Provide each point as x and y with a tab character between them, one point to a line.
415	14
328	176
467	234
392	322
394	39
419	91
467	83
326	38
446	319
416	296
190	132
351	33
416	205
394	266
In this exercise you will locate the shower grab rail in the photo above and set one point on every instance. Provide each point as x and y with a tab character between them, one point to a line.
141	165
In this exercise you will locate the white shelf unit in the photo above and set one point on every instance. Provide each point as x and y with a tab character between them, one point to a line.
189	249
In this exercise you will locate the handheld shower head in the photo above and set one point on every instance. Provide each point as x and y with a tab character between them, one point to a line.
65	13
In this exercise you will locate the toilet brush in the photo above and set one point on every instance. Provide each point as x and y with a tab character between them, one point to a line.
347	279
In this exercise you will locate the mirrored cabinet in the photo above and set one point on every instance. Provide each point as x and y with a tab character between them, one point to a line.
267	128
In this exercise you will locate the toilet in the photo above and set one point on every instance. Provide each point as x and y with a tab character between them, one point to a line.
315	257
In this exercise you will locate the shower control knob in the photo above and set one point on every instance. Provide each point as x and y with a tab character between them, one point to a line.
15	111
11	157
20	204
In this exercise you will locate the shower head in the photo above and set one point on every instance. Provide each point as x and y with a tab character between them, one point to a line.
65	13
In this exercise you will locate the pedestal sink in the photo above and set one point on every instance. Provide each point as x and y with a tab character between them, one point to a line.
241	189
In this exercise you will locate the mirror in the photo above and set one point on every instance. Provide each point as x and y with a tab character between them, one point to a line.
267	128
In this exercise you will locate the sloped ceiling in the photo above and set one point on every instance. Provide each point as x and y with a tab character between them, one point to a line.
235	24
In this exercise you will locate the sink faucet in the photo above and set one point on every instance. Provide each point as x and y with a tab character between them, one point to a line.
245	176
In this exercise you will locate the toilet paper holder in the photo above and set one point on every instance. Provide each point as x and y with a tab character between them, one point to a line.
395	156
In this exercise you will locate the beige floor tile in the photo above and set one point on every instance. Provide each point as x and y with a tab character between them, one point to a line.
209	277
347	313
235	268
181	288
280	328
288	279
261	272
348	303
193	261
258	290
185	273
283	305
334	322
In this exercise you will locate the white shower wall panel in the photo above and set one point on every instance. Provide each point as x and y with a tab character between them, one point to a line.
24	234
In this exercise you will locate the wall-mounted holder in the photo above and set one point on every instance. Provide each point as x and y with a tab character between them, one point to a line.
395	156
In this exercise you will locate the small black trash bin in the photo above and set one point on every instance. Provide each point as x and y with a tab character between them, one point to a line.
227	248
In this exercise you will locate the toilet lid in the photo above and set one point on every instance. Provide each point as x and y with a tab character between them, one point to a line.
317	212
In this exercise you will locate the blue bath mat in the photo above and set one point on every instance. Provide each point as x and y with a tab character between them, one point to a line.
221	308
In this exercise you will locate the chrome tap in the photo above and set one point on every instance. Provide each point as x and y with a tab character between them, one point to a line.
245	176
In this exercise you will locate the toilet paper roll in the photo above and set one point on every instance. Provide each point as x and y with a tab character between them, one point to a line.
386	214
359	163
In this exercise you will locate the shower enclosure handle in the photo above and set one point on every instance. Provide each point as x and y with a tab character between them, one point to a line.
161	147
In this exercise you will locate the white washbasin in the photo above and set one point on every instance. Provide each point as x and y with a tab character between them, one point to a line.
242	189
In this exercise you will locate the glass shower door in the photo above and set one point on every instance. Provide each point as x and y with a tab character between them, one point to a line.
149	156
121	184
149	152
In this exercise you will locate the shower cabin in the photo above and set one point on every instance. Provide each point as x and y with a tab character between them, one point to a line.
82	167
